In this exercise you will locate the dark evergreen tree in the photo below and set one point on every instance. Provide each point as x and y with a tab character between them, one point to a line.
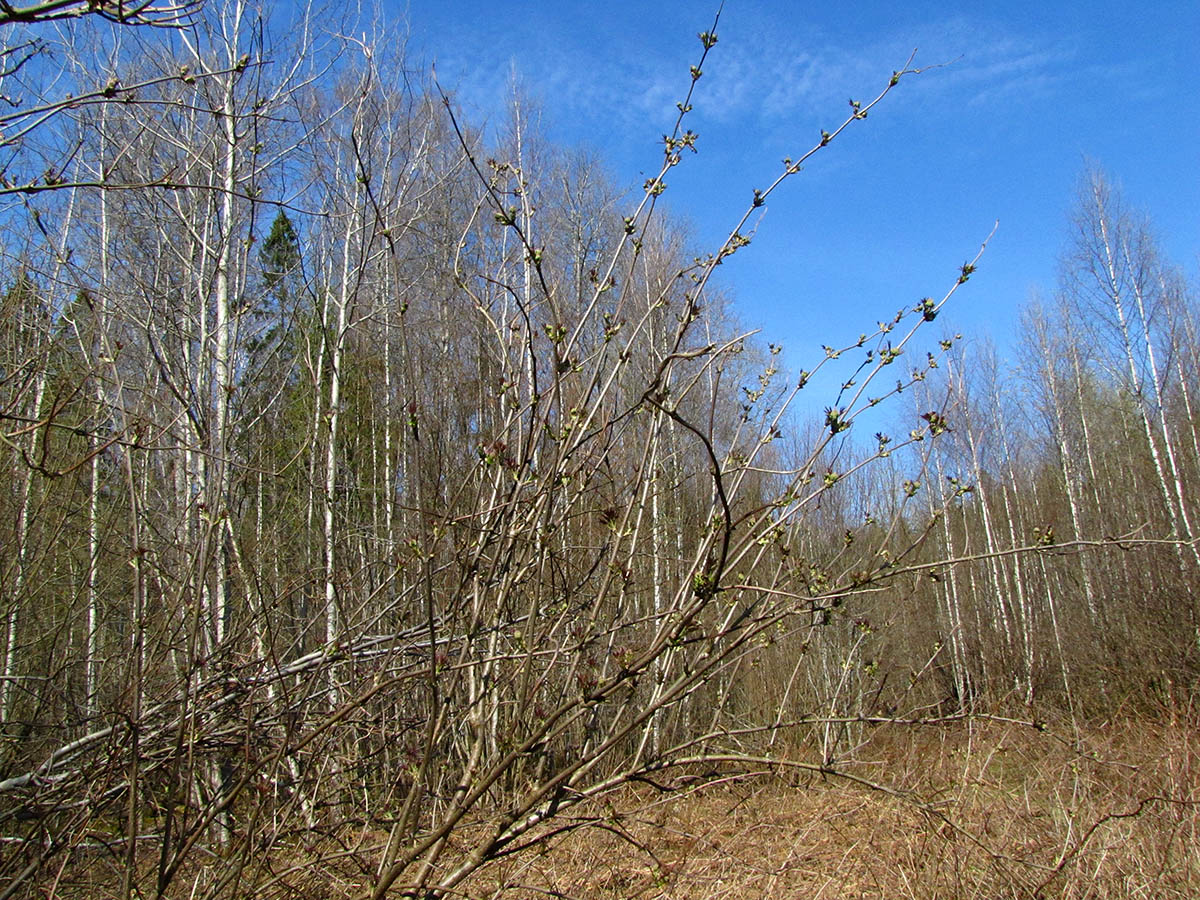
280	255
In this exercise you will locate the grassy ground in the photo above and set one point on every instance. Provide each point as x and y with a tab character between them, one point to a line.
992	811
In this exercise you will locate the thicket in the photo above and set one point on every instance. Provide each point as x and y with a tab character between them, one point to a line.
383	495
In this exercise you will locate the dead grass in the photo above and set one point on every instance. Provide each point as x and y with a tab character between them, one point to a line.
996	810
993	809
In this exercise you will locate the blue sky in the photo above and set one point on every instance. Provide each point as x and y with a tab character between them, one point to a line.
886	215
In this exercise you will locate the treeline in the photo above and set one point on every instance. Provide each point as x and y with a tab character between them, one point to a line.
1063	482
383	491
1085	445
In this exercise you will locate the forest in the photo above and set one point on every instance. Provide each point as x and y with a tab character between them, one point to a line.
395	507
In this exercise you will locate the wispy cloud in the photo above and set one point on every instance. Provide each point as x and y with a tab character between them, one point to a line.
768	75
777	81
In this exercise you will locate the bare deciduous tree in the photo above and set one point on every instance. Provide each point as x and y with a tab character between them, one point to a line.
390	499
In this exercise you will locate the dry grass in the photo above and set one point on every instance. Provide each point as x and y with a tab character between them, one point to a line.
992	811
